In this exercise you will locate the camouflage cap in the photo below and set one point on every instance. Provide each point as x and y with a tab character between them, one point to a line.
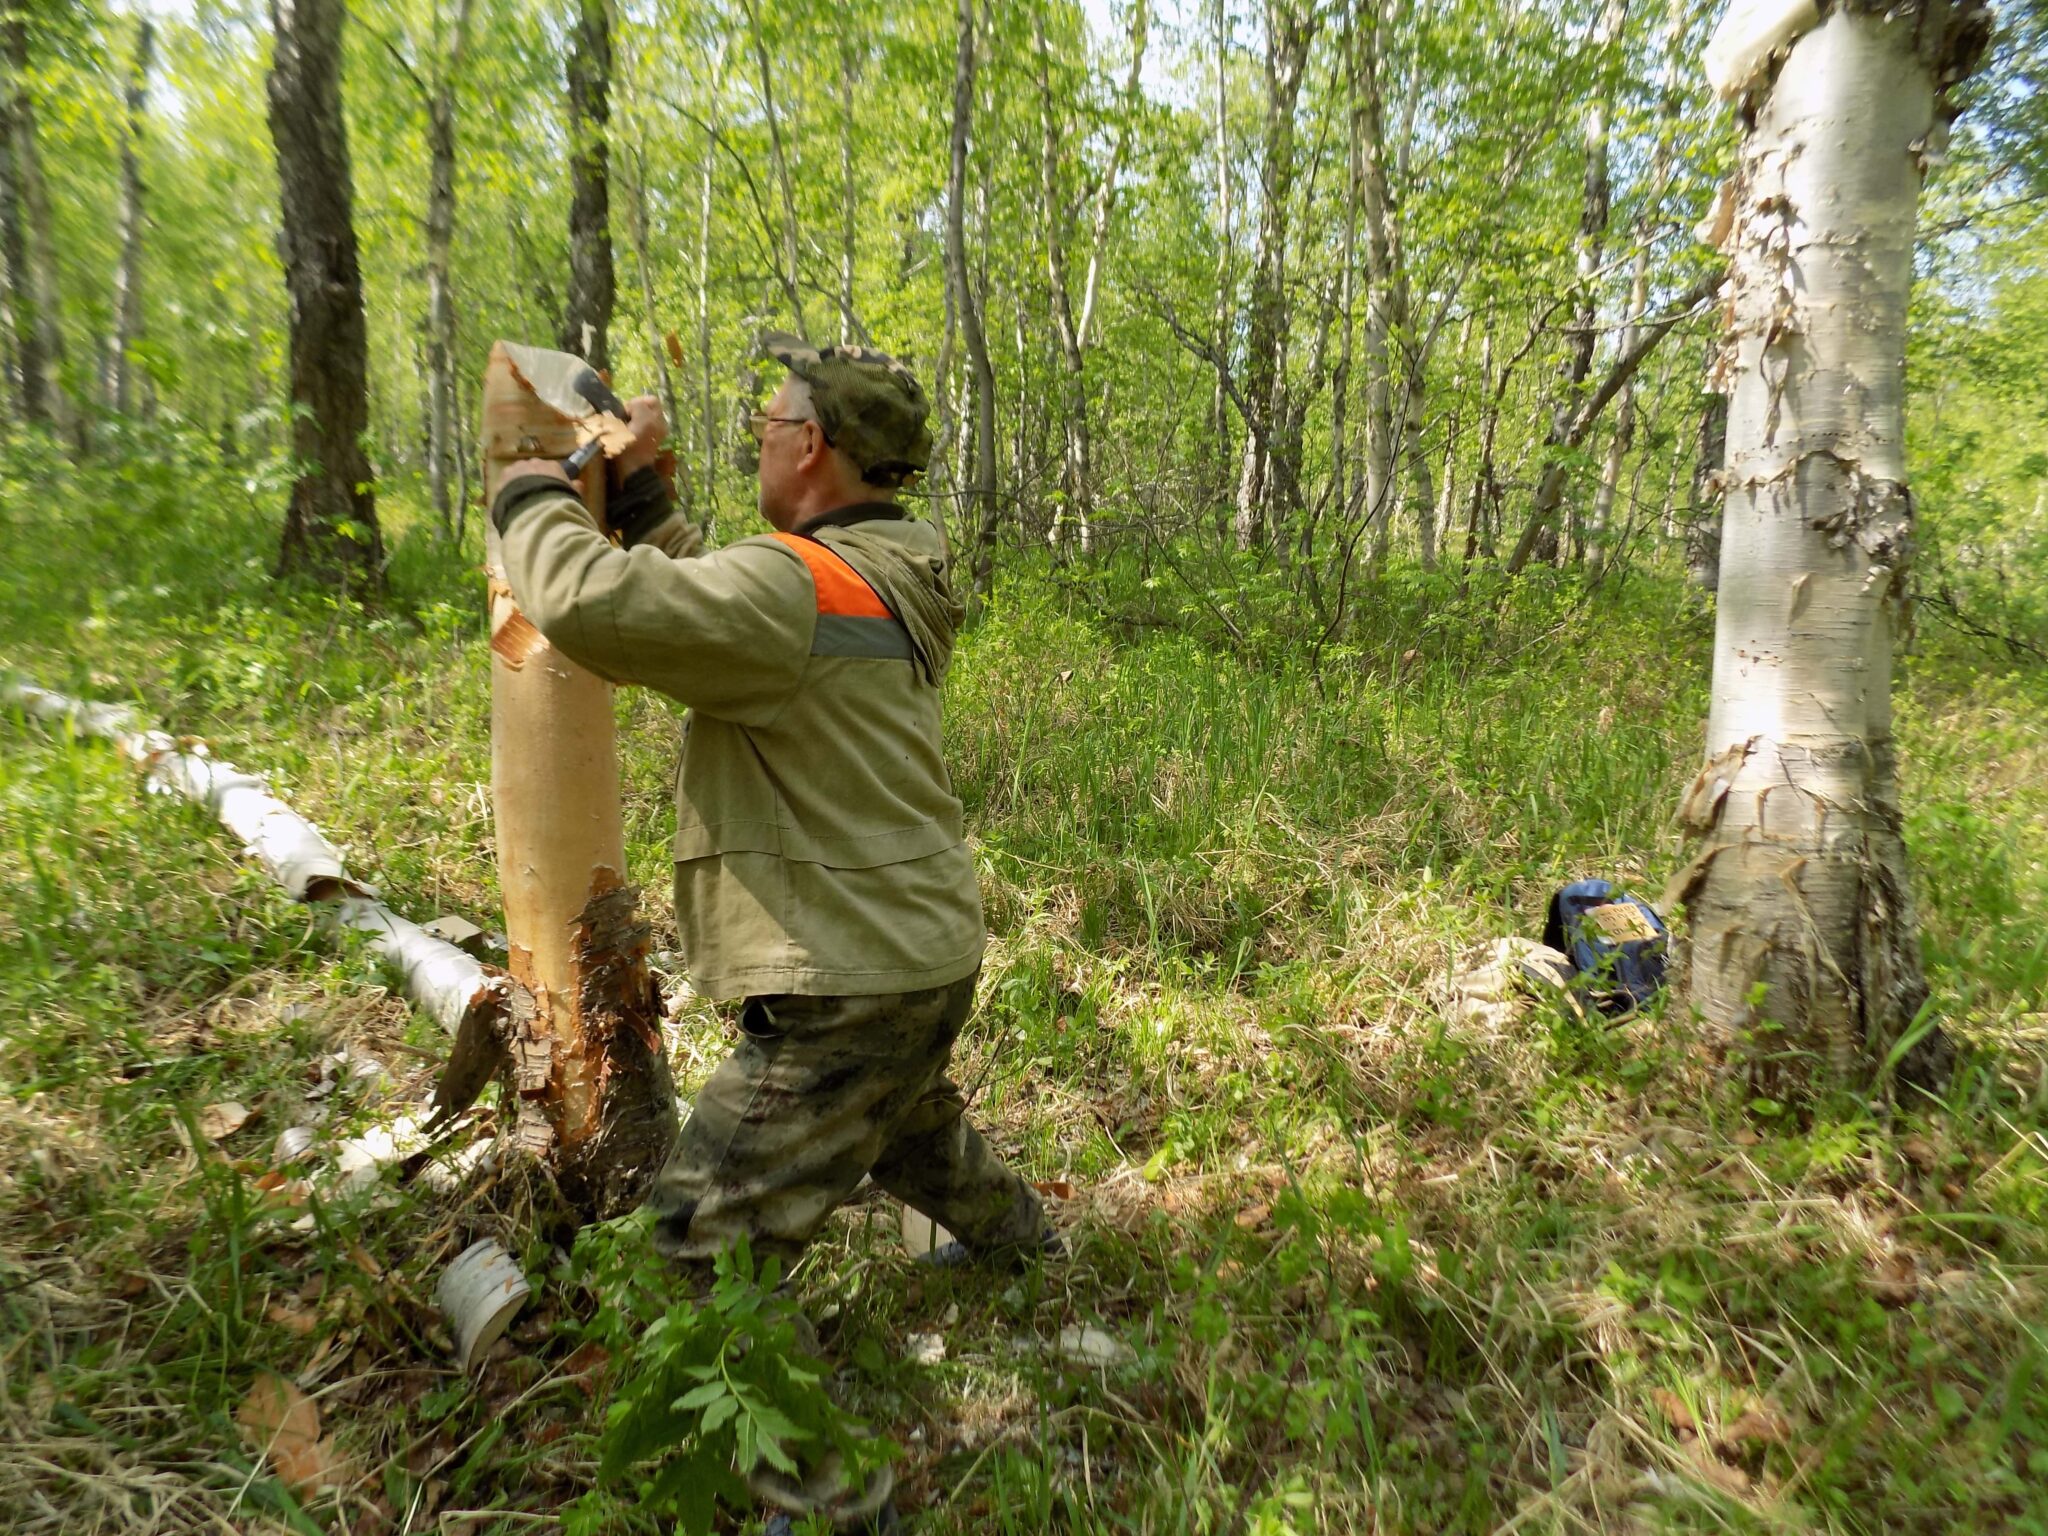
870	405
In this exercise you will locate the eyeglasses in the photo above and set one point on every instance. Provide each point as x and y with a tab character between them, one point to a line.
757	424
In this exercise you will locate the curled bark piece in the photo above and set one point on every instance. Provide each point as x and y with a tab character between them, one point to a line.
480	1293
1751	31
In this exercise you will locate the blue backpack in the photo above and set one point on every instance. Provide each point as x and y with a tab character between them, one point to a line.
1616	944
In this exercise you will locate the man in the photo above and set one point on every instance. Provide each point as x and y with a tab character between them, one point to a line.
820	870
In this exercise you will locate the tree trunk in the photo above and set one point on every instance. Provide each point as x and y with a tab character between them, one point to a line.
1639	290
1078	474
1802	946
1075	515
1288	35
593	289
36	287
981	508
442	410
1703	529
1386	300
849	199
1220	403
643	261
1591	244
706	399
115	387
330	526
594	1094
26	369
792	282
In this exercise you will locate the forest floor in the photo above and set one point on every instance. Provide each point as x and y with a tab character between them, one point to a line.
1361	1270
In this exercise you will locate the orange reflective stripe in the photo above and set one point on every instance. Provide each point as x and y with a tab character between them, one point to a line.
840	588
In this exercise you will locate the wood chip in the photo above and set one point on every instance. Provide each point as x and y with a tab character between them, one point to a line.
1091	1346
1676	1414
219	1121
1760	1424
283	1424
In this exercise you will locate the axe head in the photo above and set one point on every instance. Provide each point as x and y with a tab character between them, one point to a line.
564	382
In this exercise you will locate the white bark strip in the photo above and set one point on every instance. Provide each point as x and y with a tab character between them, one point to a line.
1800	887
442	980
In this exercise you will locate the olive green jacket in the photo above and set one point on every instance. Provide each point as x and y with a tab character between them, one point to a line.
818	845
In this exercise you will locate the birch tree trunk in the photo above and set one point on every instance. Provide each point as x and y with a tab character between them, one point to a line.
115	388
650	319
792	284
1578	364
593	288
1802	948
1638	291
330	527
25	359
36	286
849	199
1288	35
594	1097
981	507
1220	403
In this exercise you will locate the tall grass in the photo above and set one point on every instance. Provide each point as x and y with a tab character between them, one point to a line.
1378	1273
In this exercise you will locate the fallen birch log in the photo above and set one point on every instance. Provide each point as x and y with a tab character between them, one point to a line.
453	987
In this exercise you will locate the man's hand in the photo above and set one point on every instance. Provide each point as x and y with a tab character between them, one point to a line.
650	430
548	468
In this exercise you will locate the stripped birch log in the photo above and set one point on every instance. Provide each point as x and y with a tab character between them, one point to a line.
596	1099
459	992
1802	945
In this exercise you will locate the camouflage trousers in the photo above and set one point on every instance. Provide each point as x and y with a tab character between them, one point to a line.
821	1091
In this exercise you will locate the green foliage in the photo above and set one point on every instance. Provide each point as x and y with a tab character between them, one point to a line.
712	1390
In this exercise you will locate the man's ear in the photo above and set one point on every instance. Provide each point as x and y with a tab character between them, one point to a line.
819	451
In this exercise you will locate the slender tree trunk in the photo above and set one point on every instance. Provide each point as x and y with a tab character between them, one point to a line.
593	289
1578	359
1639	290
1387	288
792	281
1347	293
650	319
1288	36
849	202
982	498
115	388
1802	943
330	527
707	404
36	290
1703	528
442	410
27	369
1220	403
1075	515
1078	475
1443	521
441	298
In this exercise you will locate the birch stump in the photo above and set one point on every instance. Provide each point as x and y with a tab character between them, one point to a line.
1803	951
595	1099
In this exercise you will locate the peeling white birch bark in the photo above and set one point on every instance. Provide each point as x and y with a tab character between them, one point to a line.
1802	939
1751	31
441	979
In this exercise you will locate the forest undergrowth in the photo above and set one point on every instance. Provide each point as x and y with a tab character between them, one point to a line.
1357	1269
